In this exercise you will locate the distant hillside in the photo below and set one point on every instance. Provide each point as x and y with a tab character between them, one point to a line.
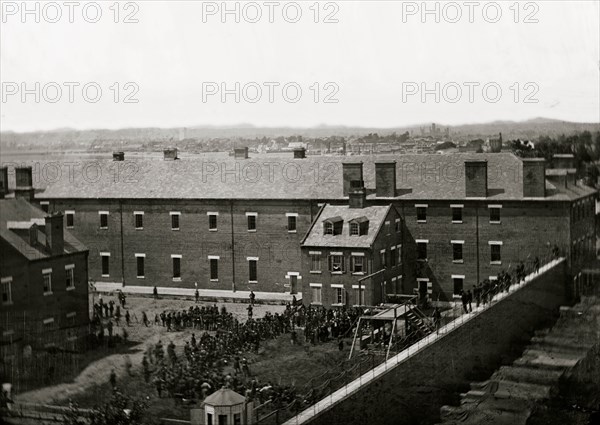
101	139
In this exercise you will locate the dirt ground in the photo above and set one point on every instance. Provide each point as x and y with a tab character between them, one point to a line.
278	361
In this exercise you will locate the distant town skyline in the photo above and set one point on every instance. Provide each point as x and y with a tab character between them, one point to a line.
370	69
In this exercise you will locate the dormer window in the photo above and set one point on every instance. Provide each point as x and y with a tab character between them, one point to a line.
333	226
359	226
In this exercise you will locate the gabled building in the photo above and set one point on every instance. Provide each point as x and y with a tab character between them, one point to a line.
352	254
44	280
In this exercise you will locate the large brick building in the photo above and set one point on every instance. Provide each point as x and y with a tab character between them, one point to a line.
238	222
44	280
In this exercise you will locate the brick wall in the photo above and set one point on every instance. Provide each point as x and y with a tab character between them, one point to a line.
414	391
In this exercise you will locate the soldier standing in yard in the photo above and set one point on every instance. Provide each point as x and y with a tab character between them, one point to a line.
145	318
113	379
155	292
127	318
252	298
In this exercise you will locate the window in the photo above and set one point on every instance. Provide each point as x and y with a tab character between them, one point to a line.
176	267
398	223
457	251
328	228
105	264
47	277
336	263
359	294
70	276
237	419
382	257
315	261
251	221
393	257
358	263
339	295
421	213
103	219
354	229
291	219
6	284
494	213
458	284
315	289
209	419
70	219
139	220
387	227
45	206
175	220
140	259
214	268
252	270
457	214
422	250
212	221
399	253
495	252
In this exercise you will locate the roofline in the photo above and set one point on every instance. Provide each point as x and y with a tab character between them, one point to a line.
314	221
388	208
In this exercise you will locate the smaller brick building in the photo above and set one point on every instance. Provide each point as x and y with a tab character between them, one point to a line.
352	255
44	280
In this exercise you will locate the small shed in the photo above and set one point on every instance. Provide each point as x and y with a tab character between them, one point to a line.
223	407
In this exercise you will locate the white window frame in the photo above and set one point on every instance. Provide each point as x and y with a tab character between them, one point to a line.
136	266
176	279
426	242
337	254
353	256
457	276
105	254
383	258
48	321
318	254
100	214
493	206
178	214
397	225
45	203
210	258
287	216
8	282
456	242
388	227
496	243
417	206
70	269
337	287
135	214
354	226
47	272
216	214
69	212
252	259
255	215
452	207
318	286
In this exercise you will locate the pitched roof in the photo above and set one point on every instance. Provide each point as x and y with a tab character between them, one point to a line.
17	216
375	214
271	176
224	397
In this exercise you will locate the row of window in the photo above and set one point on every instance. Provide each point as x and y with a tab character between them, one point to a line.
340	296
457	213
6	283
336	261
251	219
457	251
140	260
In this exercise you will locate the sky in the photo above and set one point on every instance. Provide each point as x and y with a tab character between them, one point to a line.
362	63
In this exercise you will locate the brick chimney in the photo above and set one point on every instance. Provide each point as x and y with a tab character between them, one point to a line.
534	177
170	154
3	182
563	161
352	176
118	156
299	153
476	179
55	238
24	183
385	179
357	198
